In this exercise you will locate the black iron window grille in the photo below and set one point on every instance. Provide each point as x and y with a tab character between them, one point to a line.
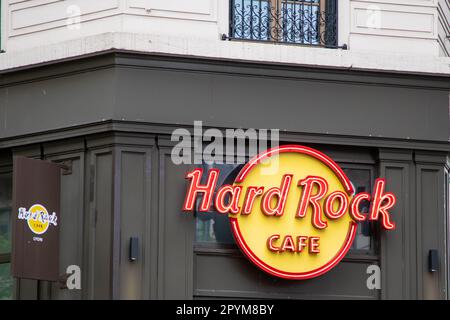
311	22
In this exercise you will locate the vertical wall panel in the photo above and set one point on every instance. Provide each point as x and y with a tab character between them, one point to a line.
100	222
398	246
134	218
432	224
447	229
132	222
71	233
429	207
72	213
176	233
102	242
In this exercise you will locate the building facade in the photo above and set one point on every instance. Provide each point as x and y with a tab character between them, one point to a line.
101	85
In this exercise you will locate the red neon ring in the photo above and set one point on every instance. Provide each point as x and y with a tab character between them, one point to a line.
352	225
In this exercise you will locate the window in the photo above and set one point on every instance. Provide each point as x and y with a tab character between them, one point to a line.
311	22
212	227
362	179
6	281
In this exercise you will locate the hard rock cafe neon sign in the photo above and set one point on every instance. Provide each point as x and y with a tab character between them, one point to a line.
296	222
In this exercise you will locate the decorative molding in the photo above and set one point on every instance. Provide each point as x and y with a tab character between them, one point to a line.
395	155
35	16
200	10
395	20
101	137
431	158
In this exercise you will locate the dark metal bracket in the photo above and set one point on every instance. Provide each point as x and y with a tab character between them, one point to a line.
63	281
66	167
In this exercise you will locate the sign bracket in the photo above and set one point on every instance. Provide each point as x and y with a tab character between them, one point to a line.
66	167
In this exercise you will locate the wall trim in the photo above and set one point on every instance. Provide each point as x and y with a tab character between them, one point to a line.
137	129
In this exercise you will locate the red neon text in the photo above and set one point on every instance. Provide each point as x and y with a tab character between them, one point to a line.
315	198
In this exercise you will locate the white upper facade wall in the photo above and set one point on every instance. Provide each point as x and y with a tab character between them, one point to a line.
413	33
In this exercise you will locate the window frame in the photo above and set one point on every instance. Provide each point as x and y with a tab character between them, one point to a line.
4	21
276	18
374	251
2	24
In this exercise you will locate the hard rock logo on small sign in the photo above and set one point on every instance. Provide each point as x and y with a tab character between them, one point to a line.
38	218
297	222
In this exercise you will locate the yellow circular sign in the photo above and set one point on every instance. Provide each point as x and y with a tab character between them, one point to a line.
300	227
38	221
